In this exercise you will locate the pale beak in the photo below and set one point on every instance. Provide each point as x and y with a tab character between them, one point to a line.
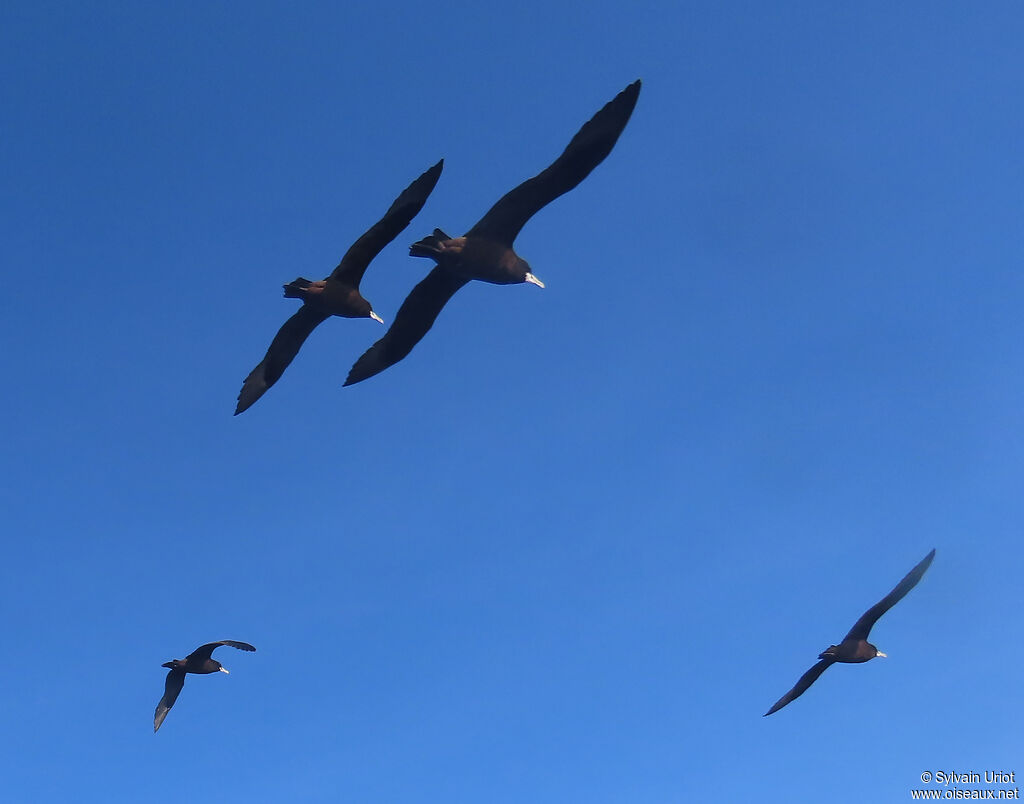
376	317
223	669
884	656
533	280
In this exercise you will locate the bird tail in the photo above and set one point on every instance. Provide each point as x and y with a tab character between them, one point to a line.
429	246
294	289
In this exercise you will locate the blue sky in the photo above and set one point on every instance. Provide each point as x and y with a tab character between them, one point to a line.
576	544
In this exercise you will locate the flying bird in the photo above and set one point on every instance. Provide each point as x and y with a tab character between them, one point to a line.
485	251
338	294
855	647
198	661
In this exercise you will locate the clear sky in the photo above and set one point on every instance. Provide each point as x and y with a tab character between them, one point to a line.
576	544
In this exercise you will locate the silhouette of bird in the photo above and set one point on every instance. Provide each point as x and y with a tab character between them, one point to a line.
485	252
855	648
338	294
198	661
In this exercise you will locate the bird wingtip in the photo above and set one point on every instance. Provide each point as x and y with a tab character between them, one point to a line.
358	373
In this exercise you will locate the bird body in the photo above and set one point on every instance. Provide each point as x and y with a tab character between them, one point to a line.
485	252
475	258
851	651
199	668
331	296
855	648
338	294
199	662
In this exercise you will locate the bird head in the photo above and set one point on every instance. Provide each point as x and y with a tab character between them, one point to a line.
877	651
523	270
363	308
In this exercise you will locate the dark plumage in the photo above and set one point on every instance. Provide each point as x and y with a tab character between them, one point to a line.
485	251
855	648
338	294
199	662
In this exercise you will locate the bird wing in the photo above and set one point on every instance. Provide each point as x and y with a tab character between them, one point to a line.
414	319
282	351
863	626
203	652
353	265
172	686
801	686
585	151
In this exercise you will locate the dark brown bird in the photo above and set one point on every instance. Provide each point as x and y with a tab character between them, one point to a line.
485	251
198	661
338	294
855	647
